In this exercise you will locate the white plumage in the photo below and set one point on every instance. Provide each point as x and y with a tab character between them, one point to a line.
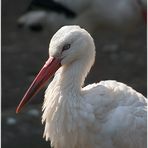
107	114
116	14
92	15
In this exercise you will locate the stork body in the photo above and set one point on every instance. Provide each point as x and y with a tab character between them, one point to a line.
108	114
115	14
122	15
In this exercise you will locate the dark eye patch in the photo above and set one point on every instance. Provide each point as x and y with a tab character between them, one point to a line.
66	47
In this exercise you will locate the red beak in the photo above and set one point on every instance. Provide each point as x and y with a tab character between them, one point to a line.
47	71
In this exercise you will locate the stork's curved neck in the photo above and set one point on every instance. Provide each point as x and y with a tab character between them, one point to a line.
64	95
72	76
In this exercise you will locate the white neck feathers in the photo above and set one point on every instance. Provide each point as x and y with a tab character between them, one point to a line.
62	98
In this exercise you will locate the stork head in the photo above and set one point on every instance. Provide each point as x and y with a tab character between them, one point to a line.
69	44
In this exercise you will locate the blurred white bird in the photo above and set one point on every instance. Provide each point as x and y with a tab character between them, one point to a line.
107	114
42	13
92	15
123	15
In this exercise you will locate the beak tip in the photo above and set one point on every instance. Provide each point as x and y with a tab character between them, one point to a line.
50	67
17	110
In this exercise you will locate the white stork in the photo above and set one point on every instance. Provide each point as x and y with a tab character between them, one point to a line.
108	114
91	14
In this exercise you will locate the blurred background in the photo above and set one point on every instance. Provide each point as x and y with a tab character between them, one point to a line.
26	32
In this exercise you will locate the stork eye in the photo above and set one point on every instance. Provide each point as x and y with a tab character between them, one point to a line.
66	47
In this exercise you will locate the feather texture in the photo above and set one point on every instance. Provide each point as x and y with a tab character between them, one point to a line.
107	114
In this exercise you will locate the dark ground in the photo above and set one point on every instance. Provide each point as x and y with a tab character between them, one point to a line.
23	54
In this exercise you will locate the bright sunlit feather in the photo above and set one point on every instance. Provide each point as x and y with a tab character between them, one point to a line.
108	114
